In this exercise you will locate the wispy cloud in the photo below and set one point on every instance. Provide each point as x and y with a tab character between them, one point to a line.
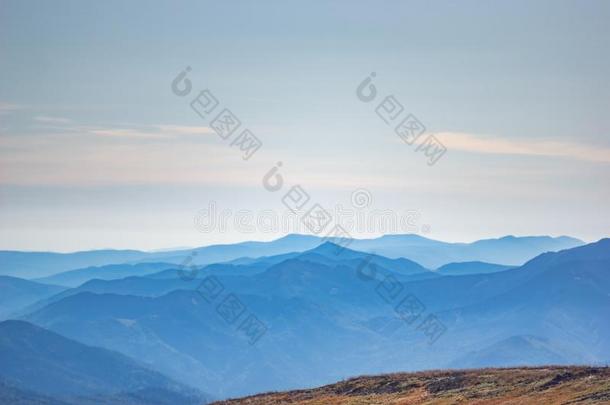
6	108
63	151
72	159
52	120
122	131
185	130
538	147
153	131
128	133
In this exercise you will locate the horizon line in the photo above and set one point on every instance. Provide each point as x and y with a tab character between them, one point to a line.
322	239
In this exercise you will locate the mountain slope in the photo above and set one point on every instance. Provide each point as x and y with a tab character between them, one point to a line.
227	252
74	278
9	394
16	293
509	250
330	252
562	296
36	359
185	336
465	268
42	264
510	352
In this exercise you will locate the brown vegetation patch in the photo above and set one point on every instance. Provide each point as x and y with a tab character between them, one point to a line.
525	385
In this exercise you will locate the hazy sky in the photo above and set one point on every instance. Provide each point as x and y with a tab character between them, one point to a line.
97	151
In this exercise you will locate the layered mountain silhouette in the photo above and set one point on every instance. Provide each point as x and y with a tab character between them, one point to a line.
36	365
16	293
511	352
329	313
465	268
74	278
508	250
43	264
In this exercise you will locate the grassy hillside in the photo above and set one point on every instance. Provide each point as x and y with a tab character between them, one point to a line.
541	385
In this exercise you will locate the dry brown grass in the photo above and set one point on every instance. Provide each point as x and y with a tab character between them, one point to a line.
535	385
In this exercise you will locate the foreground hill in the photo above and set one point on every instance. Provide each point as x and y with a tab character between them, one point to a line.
36	362
544	385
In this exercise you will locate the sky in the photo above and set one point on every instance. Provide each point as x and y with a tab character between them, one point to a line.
98	151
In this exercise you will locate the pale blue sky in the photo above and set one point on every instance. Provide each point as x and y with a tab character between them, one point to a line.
96	151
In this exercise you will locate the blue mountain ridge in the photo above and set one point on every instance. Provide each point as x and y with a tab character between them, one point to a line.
325	322
509	250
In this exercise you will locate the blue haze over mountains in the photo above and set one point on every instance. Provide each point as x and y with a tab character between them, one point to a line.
507	301
508	250
77	374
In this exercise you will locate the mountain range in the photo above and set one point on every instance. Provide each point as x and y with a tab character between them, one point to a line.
508	250
331	312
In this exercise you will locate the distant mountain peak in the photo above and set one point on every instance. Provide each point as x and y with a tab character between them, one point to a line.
402	236
327	246
334	250
527	238
296	237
